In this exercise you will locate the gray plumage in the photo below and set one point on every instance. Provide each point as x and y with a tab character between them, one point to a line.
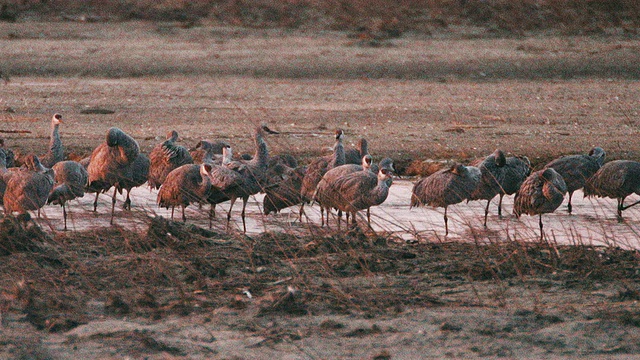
5	174
516	170
55	153
326	187
28	188
133	175
285	193
284	159
318	167
617	180
446	187
356	191
10	156
109	162
338	171
70	180
355	155
240	179
576	169
492	170
185	185
541	193
165	157
206	149
279	167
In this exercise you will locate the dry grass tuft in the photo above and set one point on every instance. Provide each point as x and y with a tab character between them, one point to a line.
18	235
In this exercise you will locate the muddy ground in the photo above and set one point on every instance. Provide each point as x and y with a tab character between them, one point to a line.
159	289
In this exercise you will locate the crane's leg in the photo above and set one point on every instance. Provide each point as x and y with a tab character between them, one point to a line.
127	202
354	221
184	218
173	208
368	216
541	233
500	205
95	202
446	222
486	212
620	208
322	216
212	215
64	215
113	203
301	212
569	204
232	201
244	206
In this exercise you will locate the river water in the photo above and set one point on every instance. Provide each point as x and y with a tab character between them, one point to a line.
592	222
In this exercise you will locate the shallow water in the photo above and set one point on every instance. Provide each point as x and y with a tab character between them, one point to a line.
593	221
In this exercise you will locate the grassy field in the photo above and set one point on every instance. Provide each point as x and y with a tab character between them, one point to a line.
166	290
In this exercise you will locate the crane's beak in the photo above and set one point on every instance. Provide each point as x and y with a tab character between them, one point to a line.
269	131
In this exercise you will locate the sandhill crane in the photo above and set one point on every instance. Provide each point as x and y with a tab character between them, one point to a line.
10	157
108	161
205	148
541	193
184	185
278	168
492	170
326	186
70	180
318	167
355	155
29	188
55	153
576	169
133	175
517	169
285	193
446	187
165	157
285	160
617	180
358	191
215	197
283	180
241	179
5	174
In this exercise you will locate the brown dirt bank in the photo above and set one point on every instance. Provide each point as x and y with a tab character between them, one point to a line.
182	291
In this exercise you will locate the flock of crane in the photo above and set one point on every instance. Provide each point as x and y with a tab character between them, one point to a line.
347	180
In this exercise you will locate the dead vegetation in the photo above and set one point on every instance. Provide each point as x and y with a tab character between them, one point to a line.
282	288
369	20
181	269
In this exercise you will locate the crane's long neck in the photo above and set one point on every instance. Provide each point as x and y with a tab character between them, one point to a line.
55	144
363	147
261	157
126	146
379	193
338	154
3	161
